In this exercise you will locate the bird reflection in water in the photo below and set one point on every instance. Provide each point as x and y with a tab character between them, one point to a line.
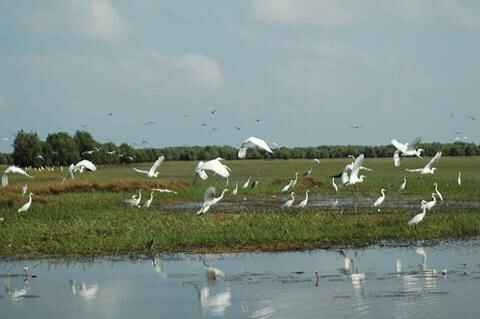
83	290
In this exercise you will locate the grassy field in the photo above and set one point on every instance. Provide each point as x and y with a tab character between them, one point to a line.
86	216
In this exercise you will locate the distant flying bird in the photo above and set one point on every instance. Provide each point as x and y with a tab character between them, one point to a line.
380	200
408	149
90	152
428	169
459	179
213	112
418	218
440	196
258	121
252	142
204	124
471	117
27	205
356	126
396	158
111	152
215	166
153	170
289	202
404	184
209	199
237	127
304	202
150	123
16	170
110	114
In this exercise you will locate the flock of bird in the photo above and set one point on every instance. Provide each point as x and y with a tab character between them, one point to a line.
350	175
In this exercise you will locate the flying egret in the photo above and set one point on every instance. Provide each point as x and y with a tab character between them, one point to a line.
380	200
409	149
287	187
418	218
428	169
153	170
396	158
440	196
245	185
459	179
304	202
404	184
27	205
148	202
429	205
215	166
289	202
212	272
334	185
134	201
235	190
16	170
209	199
85	164
357	164
347	262
253	142
164	190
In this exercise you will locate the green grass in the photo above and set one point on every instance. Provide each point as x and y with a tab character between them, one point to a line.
86	216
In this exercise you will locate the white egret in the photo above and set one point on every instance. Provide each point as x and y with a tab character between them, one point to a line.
308	172
209	199
317	161
212	272
16	170
24	189
235	190
148	202
334	185
153	170
304	202
295	180
459	179
27	205
380	200
408	149
134	201
287	187
85	164
404	184
418	218
87	292
215	166
164	190
347	262
245	185
252	142
4	180
357	164
396	158
428	169
440	196
429	205
398	265
289	202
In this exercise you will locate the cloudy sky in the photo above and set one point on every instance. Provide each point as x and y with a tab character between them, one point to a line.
309	70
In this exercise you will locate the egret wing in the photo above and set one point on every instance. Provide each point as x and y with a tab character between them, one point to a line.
399	146
156	165
413	145
435	158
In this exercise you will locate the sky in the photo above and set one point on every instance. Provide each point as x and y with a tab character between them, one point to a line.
309	70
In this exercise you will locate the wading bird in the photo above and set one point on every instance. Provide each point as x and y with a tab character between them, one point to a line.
404	184
245	185
135	200
418	218
334	185
295	180
148	202
235	190
396	158
428	169
252	142
440	196
380	200
287	187
304	202
408	149
212	272
209	199
429	205
459	179
27	205
289	202
215	166
153	170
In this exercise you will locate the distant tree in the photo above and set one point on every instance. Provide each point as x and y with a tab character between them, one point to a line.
85	142
26	147
64	149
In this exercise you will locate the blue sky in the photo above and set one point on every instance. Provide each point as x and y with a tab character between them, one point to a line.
308	69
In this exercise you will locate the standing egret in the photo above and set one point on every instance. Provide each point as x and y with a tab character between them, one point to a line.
245	185
135	200
24	189
215	166
396	158
235	190
287	187
334	185
148	202
347	262
209	200
252	142
316	160
27	205
212	272
429	205
153	170
380	200
428	169
304	202
418	218
459	179
289	202
408	149
438	193
295	180
404	184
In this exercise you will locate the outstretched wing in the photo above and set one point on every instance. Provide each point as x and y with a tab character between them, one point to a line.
140	171
86	164
253	142
156	165
217	167
413	145
357	164
399	146
435	158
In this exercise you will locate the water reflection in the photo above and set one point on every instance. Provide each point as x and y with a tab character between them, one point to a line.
374	282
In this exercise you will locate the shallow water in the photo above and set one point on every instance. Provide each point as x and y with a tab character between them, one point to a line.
392	282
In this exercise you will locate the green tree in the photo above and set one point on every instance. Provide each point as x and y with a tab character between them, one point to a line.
26	147
64	149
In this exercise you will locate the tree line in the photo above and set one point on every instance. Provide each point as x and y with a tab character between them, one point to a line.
62	149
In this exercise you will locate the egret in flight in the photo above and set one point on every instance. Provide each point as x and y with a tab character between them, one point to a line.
153	170
27	205
355	169
209	199
253	142
428	169
408	149
215	166
16	170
